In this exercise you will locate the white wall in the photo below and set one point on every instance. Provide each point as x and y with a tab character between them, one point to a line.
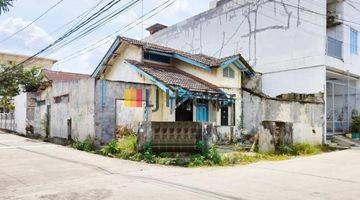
307	80
20	102
351	18
272	34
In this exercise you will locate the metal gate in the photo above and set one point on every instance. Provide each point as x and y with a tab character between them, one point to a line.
341	104
7	121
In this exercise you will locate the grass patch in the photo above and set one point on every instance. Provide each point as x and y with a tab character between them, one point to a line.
125	148
86	145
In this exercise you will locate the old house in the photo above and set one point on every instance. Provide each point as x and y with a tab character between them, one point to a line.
138	81
63	107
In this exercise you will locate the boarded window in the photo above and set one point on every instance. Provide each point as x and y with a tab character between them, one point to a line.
228	72
62	99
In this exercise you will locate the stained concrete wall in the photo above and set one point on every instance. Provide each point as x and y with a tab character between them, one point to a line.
106	94
306	117
79	109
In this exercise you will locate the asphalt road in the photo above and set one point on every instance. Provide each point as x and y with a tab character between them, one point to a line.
30	169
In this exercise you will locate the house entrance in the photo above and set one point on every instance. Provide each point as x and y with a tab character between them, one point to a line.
184	112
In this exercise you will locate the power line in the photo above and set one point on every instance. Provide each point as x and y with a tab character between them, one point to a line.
71	31
28	25
82	16
98	24
122	30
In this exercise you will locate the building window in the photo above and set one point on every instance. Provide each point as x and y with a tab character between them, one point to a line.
228	72
353	41
157	57
62	99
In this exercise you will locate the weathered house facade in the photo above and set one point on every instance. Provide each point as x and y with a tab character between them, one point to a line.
138	81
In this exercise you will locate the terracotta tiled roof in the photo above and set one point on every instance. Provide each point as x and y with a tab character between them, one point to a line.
175	77
204	59
63	76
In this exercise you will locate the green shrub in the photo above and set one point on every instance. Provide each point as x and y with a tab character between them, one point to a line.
86	145
355	125
124	148
213	156
196	160
110	149
128	143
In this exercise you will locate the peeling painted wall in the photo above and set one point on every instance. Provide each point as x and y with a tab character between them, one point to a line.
306	118
79	109
106	94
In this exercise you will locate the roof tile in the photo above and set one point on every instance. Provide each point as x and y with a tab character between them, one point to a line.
175	77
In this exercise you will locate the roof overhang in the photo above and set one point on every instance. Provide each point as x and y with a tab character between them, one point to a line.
107	57
156	82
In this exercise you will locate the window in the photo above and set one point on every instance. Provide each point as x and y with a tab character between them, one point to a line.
157	57
62	99
228	72
353	41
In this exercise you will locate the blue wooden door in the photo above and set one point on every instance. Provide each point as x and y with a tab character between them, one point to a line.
202	113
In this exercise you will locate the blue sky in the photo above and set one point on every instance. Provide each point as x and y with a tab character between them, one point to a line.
46	30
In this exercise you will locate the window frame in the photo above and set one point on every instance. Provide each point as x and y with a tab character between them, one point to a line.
228	72
153	57
354	41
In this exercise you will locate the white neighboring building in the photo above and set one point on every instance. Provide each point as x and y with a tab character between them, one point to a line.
21	100
301	46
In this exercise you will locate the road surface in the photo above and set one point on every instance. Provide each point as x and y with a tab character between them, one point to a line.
30	169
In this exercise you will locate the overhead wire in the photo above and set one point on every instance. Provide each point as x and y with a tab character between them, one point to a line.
72	30
123	30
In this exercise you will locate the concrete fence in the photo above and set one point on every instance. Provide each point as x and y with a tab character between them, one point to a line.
175	136
7	121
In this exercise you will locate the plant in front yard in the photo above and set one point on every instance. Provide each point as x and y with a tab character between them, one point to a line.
299	149
110	149
86	145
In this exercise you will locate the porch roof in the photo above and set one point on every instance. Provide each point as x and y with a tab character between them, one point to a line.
174	78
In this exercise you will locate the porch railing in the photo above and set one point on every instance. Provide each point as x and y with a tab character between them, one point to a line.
334	48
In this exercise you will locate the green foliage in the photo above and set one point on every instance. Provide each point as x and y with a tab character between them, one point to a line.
86	145
355	125
299	149
15	78
236	158
200	145
110	149
124	148
197	160
4	5
213	156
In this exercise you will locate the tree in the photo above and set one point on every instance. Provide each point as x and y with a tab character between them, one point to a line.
4	5
15	79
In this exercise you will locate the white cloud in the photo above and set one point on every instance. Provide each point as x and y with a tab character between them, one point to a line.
32	37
